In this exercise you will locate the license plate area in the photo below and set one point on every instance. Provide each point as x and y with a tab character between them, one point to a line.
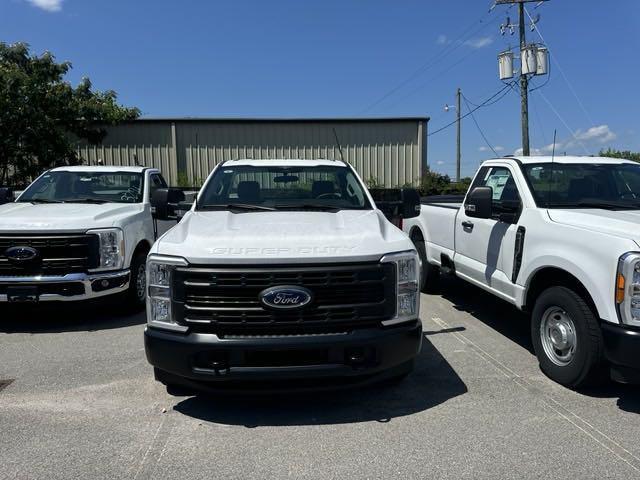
27	294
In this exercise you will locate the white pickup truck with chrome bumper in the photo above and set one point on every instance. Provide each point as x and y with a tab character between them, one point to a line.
557	237
78	233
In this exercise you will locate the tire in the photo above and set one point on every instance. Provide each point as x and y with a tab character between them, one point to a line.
429	274
567	338
136	295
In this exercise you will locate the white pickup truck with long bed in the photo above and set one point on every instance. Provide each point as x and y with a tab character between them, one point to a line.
557	237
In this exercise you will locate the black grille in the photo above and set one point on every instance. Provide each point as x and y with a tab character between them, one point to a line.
227	300
57	254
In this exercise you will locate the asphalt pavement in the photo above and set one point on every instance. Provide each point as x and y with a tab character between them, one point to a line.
78	400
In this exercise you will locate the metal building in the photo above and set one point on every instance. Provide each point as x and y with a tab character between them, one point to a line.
387	151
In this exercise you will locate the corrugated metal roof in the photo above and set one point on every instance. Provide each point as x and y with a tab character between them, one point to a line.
282	119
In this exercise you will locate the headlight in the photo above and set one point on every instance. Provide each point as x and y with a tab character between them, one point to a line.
407	286
159	277
110	248
627	293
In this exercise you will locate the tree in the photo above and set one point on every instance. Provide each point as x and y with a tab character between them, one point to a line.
42	115
433	183
626	154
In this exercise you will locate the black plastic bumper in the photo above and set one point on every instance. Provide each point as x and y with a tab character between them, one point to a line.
622	350
207	362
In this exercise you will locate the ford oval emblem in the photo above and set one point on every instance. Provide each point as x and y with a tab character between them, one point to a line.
285	297
21	255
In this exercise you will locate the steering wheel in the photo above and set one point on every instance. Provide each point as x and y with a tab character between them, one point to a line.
330	195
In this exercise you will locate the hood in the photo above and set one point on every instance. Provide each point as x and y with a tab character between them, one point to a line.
63	216
223	237
621	223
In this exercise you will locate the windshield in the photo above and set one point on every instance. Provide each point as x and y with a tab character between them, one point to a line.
283	188
561	185
85	187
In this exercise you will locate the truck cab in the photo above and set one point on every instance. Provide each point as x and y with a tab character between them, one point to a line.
282	270
79	233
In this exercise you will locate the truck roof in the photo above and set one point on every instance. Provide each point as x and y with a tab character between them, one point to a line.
567	159
286	162
99	168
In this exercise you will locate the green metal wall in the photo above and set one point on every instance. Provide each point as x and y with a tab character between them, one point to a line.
391	151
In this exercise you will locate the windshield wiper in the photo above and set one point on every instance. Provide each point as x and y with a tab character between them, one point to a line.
42	200
597	204
237	206
310	206
86	200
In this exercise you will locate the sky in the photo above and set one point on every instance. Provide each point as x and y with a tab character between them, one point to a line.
355	58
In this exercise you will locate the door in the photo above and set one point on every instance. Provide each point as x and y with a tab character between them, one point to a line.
485	246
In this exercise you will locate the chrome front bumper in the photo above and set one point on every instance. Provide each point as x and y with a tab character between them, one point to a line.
85	286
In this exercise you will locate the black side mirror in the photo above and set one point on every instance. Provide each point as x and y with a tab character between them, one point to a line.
164	202
478	203
410	203
6	195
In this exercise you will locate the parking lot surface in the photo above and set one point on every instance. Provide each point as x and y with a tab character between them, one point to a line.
82	403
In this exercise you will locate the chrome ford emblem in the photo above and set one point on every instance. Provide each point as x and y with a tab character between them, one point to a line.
285	297
21	255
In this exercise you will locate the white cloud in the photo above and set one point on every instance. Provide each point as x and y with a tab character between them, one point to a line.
591	140
600	134
439	162
479	42
484	148
442	39
48	5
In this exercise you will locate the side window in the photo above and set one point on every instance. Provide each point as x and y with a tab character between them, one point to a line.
156	182
506	199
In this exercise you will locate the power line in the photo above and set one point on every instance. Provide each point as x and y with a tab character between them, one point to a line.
563	122
483	104
571	89
449	49
473	117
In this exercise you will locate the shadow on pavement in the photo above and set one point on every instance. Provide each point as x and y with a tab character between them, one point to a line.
493	312
514	325
433	382
51	318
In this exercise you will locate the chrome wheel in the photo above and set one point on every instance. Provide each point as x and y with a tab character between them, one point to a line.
141	282
558	336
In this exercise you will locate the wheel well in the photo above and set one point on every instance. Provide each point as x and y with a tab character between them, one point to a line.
555	277
142	247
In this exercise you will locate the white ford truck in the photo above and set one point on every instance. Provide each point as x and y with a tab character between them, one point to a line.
78	233
282	270
557	237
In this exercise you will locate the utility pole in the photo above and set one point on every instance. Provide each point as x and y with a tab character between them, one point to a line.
524	87
539	63
458	125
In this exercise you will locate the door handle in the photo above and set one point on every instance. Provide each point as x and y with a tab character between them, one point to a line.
467	225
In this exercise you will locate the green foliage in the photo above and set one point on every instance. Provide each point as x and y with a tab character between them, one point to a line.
41	113
433	183
625	154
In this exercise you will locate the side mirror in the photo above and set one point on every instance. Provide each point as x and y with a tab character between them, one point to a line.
164	202
410	207
6	195
478	203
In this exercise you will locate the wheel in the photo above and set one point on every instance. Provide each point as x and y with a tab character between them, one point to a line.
429	274
567	338
136	294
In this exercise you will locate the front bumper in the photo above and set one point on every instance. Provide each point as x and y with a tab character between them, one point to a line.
65	288
622	350
207	362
